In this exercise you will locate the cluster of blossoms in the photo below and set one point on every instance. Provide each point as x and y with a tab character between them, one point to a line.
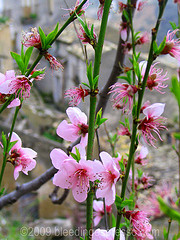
32	39
76	173
19	85
21	158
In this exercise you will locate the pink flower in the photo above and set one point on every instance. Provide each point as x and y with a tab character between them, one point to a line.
123	93
101	234
77	128
76	95
143	39
155	79
10	84
85	38
31	39
176	1
108	174
21	158
145	105
152	123
141	226
123	31
123	131
99	211
172	46
74	175
140	159
151	204
54	63
101	9
81	11
146	180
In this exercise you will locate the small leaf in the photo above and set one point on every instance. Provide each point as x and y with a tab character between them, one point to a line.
4	140
155	47
90	74
85	84
22	52
95	80
2	191
125	14
11	144
165	234
43	38
140	173
162	45
175	89
37	73
27	56
168	210
19	62
51	36
121	166
173	25
176	136
113	221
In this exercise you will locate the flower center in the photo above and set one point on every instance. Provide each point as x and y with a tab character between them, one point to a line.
83	129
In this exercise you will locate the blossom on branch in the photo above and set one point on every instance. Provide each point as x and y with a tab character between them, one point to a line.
77	128
156	78
54	63
76	95
108	174
101	9
11	84
123	93
140	158
98	207
87	38
21	158
31	39
172	46
76	176
141	227
153	122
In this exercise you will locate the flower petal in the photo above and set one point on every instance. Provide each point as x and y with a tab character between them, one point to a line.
154	110
68	132
76	116
16	102
17	169
58	156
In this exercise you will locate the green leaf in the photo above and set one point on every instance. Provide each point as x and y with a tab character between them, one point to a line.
85	84
22	52
113	221
37	73
155	47
121	166
162	45
19	62
140	173
95	80
165	234
81	238
176	136
125	14
118	202
27	56
173	214
11	144
102	120
173	25
175	88
4	140
90	75
51	36
43	38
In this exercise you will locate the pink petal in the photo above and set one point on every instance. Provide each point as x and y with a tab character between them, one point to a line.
80	191
15	137
142	67
84	140
76	116
17	169
98	206
58	156
31	165
68	132
10	75
124	34
6	88
29	152
97	219
16	102
2	78
61	180
107	160
144	152
154	110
